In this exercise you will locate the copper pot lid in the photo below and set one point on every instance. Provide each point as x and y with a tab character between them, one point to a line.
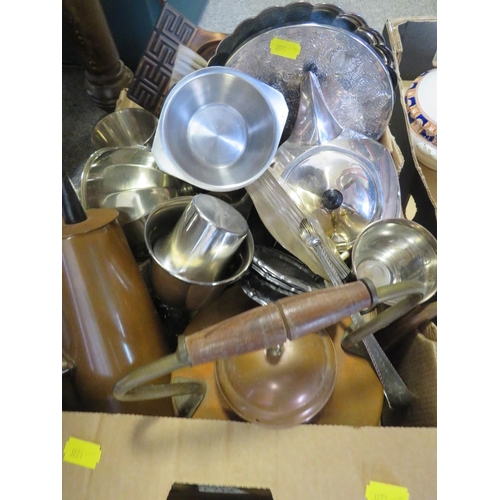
283	386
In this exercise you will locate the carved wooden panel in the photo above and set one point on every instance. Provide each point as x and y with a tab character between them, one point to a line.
150	84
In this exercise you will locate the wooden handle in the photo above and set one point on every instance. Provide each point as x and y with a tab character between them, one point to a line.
288	318
314	311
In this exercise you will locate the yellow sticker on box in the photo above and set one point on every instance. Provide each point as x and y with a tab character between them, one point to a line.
284	48
383	491
83	453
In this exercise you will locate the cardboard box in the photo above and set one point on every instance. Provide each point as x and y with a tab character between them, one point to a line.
414	44
144	457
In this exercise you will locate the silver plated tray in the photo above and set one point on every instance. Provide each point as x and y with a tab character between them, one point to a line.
304	12
284	271
356	84
261	290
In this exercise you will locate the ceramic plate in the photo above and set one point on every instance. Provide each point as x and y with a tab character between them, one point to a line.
421	106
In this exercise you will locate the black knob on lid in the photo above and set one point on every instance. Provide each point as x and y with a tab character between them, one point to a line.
332	199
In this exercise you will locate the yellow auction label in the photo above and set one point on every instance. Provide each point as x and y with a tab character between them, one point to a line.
83	453
383	491
284	48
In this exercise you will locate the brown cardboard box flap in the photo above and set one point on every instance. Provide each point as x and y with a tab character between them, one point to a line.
417	366
413	42
418	38
142	457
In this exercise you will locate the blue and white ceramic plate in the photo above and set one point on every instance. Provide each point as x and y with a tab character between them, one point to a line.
421	106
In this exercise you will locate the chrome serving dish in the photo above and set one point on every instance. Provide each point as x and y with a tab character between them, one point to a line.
303	12
283	271
355	68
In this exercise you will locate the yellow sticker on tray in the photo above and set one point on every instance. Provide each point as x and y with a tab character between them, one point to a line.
383	491
83	453
284	48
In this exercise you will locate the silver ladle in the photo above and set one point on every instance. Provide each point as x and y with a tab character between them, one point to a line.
395	390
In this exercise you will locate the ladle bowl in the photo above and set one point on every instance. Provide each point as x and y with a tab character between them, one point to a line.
393	251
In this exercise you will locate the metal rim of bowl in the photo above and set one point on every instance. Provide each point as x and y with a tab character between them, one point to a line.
180	203
90	162
126	112
401	222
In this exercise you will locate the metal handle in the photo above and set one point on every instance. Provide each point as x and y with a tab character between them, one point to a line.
395	390
412	296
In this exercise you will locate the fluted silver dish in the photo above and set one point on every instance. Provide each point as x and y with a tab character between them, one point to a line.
297	15
341	178
355	82
304	12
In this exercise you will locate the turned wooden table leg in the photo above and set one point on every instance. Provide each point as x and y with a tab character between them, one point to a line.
106	75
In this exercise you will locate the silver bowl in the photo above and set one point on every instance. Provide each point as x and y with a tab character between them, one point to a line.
183	293
125	127
111	170
392	251
219	129
128	179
